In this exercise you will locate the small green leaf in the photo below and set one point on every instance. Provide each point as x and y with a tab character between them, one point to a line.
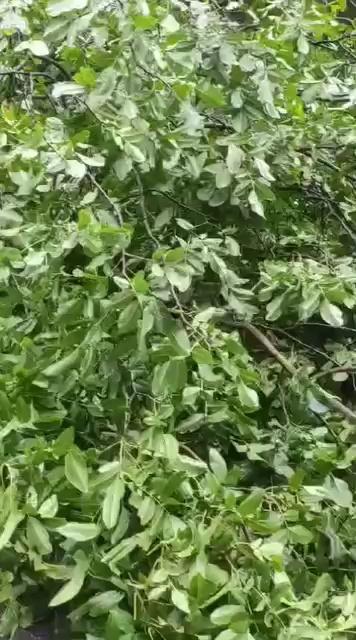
146	510
62	366
251	504
75	169
299	534
146	326
248	396
57	7
191	424
217	464
169	377
86	77
256	204
202	355
10	525
144	23
76	470
129	317
37	47
78	531
338	491
234	158
49	507
170	24
228	634
264	169
331	314
180	600
38	537
224	615
211	95
190	394
139	283
112	502
73	587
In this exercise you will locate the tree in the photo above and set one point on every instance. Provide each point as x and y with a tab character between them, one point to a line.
177	281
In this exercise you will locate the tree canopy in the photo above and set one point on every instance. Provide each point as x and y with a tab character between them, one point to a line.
177	328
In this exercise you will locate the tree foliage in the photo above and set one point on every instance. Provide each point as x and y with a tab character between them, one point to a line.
177	294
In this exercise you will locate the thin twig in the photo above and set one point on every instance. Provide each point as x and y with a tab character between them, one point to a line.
327	372
333	209
143	208
345	36
107	198
307	346
308	152
116	211
331	401
175	201
28	74
56	64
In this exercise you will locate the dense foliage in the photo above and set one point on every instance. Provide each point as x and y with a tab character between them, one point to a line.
177	294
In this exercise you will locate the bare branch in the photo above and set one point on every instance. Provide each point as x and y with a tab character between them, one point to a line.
331	401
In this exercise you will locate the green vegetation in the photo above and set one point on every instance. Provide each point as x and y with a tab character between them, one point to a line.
177	329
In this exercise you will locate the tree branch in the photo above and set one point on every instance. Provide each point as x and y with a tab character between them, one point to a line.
327	372
331	401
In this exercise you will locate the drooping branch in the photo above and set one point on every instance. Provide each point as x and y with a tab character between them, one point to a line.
331	401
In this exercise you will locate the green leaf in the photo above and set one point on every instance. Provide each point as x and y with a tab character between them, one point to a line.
86	77
248	397
37	47
222	176
217	464
227	54
78	531
331	314
264	169
143	23
146	326
112	502
247	62
76	470
76	169
298	534
180	340
338	491
190	394
251	504
225	615
180	600
122	550
139	283
256	204
191	424
169	377
49	507
234	158
202	356
38	537
9	527
66	89
74	586
120	624
211	95
57	7
227	634
62	366
134	152
129	318
146	510
170	24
